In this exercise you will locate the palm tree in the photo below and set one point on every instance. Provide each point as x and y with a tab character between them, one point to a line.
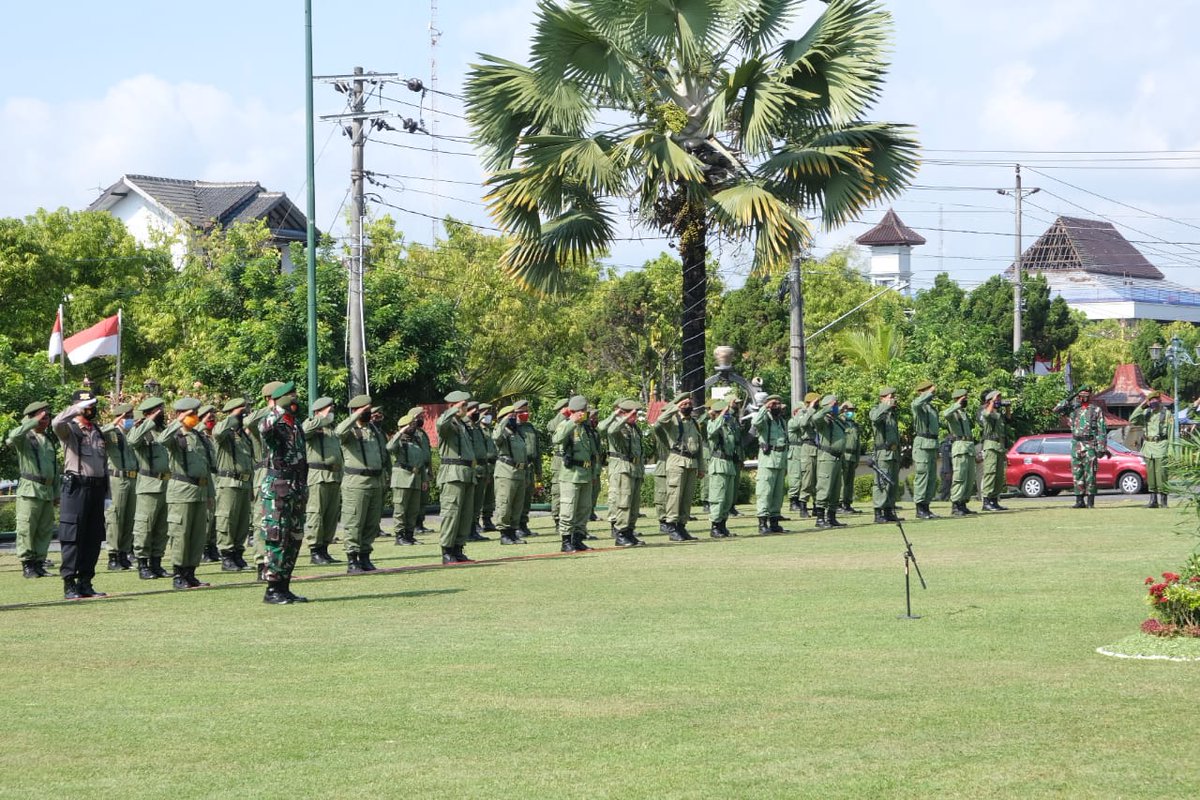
700	112
874	348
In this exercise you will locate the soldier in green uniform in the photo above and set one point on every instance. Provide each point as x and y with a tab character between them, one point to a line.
850	456
487	503
1155	417
926	423
574	446
962	452
122	486
724	460
771	429
38	490
887	456
706	454
235	472
422	438
150	515
802	456
735	416
456	478
251	424
511	474
533	464
408	478
560	411
208	423
1089	433
991	431
479	442
364	452
831	446
187	492
600	448
323	453
626	471
662	449
683	463
283	495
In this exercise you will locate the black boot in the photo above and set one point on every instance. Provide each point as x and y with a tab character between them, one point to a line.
923	511
625	539
819	513
725	529
832	520
287	590
41	565
114	560
889	513
1152	504
987	504
28	570
125	562
579	544
179	579
210	554
764	526
448	556
509	536
144	571
230	564
568	544
192	581
71	589
1162	499
87	590
715	531
364	560
461	556
488	525
996	505
354	564
1091	501
524	531
733	512
157	568
957	510
1079	502
319	555
665	527
804	509
775	526
476	536
966	509
794	504
879	517
275	594
849	509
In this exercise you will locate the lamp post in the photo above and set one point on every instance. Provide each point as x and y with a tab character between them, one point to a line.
1175	353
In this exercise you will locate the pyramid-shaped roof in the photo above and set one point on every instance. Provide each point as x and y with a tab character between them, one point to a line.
1087	245
890	231
1128	387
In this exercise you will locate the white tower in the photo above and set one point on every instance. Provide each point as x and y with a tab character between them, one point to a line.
891	243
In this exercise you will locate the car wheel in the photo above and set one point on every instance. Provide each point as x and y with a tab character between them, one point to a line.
1033	486
1130	483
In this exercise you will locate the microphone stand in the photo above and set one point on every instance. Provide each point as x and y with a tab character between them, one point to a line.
910	558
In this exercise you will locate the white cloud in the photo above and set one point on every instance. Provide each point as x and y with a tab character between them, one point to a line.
1012	113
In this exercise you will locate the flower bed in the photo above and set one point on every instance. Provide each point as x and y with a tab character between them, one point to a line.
1175	602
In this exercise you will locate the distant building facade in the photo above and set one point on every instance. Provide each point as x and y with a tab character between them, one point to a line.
891	243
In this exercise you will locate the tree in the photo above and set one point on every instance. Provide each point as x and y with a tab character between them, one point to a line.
703	114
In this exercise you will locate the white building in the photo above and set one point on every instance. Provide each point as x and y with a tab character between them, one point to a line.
157	210
891	243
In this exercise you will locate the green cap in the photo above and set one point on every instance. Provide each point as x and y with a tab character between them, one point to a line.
268	389
561	404
992	395
405	420
321	403
232	403
885	391
679	398
520	405
848	406
958	394
149	404
504	412
629	405
577	403
828	400
808	398
771	397
1087	387
485	406
283	390
37	406
121	409
186	404
924	386
416	411
718	405
359	400
472	405
207	408
458	396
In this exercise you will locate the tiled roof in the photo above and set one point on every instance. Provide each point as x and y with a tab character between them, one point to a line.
1128	387
1095	246
890	231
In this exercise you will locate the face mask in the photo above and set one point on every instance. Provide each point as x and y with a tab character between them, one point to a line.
160	421
849	415
294	407
126	423
687	412
487	419
190	421
89	413
210	423
511	422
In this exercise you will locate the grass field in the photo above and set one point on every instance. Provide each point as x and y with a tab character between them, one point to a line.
754	667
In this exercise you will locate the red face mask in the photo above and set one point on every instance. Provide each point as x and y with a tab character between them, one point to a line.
210	423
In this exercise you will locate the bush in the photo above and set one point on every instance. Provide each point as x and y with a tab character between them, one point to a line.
8	516
1175	602
863	485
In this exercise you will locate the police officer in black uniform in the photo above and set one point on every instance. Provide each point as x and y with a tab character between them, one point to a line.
85	483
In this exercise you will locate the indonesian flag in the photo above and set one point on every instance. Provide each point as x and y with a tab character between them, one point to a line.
102	339
56	343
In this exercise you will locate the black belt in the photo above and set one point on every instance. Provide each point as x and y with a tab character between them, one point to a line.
954	439
123	473
291	474
456	462
620	457
721	457
679	451
511	462
492	460
324	466
241	476
830	450
890	448
178	476
86	480
35	478
370	473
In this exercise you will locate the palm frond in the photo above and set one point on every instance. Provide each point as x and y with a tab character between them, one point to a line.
761	22
752	207
592	161
567	46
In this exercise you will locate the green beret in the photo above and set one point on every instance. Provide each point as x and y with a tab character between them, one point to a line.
828	400
360	400
771	397
808	398
121	409
268	389
405	420
472	405
186	404
458	396
416	411
283	390
232	403
577	403
561	404
37	406
885	391
485	406
719	405
320	404
924	386
520	405
149	404
848	406
679	398
958	394
206	409
992	395
504	412
629	405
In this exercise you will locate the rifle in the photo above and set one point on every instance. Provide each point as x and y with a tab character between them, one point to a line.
881	478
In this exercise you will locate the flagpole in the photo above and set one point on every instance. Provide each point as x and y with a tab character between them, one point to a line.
62	357
120	329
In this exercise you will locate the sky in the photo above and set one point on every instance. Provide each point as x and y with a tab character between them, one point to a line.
1095	98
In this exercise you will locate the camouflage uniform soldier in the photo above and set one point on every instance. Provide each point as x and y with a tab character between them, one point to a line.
208	422
364	452
626	471
831	446
1090	438
683	463
802	456
122	486
456	479
235	472
850	455
769	426
724	460
512	473
991	431
533	467
408	478
187	492
251	425
574	446
1154	415
962	452
283	495
887	456
560	411
150	516
486	497
38	490
323	452
926	423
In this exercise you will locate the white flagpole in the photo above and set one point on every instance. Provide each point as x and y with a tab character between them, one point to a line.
62	357
120	328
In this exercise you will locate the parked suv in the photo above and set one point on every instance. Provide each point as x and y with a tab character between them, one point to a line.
1041	464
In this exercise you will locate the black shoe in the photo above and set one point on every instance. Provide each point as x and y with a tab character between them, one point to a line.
996	505
1152	504
365	560
568	544
794	504
354	564
275	595
665	527
819	513
157	568
958	510
461	556
144	571
775	526
831	519
71	589
678	534
733	512
1079	502
319	555
849	509
580	546
923	512
39	566
179	579
210	554
890	515
593	518
625	539
987	504
476	536
1162	499
524	532
804	510
880	518
1091	501
230	565
715	532
114	560
287	590
488	525
45	565
509	536
590	538
125	562
29	570
87	590
764	526
422	529
448	556
193	581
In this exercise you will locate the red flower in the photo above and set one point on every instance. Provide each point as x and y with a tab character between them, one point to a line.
1170	577
1151	580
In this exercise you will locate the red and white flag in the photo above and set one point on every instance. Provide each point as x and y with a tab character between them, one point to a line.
102	339
56	341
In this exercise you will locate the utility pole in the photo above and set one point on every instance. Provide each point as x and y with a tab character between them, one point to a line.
311	240
798	354
1018	194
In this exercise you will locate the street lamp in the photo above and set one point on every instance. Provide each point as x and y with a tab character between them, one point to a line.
1175	354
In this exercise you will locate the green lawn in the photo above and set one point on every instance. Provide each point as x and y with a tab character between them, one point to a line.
755	667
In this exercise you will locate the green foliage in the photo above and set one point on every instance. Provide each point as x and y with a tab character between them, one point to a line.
8	516
863	485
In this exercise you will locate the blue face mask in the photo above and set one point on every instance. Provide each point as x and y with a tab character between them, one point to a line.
126	424
849	415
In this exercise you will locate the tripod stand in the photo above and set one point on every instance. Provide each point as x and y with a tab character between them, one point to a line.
910	558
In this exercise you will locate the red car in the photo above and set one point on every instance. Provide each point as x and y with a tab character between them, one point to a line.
1041	464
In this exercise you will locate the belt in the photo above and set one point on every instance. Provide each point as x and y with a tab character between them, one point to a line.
178	476
35	478
620	457
492	460
290	474
679	451
124	473
511	462
325	466
954	439
86	480
925	435
455	462
226	473
370	473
